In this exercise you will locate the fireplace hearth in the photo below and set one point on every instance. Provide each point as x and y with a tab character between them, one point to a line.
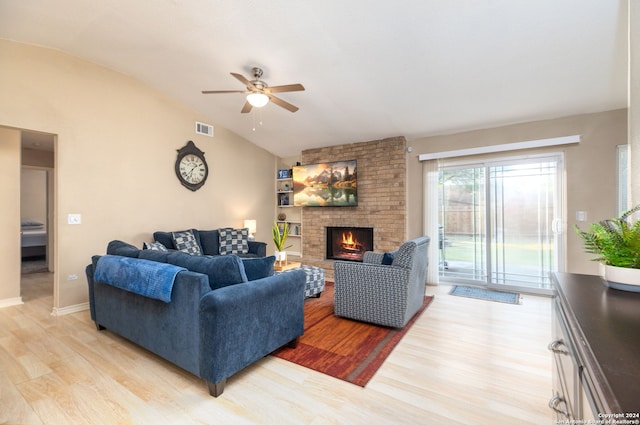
349	243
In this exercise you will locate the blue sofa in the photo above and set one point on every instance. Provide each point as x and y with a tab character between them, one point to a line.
220	316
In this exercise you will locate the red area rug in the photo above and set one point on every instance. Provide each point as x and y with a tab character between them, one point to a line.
343	348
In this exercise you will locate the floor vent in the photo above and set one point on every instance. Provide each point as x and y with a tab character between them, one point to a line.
205	129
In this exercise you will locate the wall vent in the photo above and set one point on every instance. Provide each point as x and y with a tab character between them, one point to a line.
205	129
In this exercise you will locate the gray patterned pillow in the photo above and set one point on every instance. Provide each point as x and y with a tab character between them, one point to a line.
156	246
186	242
234	241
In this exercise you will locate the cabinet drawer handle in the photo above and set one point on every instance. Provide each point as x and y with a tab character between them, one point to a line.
555	402
555	347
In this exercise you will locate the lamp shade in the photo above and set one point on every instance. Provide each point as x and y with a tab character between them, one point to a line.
257	99
251	225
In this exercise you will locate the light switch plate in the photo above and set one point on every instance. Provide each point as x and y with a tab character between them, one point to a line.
74	219
581	215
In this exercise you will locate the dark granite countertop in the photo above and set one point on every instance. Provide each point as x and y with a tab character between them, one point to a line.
606	327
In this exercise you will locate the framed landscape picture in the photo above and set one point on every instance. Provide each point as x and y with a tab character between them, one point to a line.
327	184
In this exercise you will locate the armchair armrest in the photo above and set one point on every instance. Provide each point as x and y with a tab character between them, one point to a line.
258	248
367	275
242	323
371	257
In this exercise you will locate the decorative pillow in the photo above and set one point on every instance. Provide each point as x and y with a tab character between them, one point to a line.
186	242
234	241
166	238
387	258
257	268
222	270
156	246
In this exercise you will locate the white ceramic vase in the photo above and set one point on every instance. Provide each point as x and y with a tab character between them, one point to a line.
281	257
622	278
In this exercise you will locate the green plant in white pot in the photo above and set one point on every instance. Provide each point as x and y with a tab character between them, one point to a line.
616	242
280	234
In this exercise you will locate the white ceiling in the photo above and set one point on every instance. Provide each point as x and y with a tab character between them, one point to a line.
371	68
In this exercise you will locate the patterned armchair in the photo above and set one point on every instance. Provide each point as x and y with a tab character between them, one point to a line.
388	295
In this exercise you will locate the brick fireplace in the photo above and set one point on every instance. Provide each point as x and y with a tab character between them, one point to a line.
382	174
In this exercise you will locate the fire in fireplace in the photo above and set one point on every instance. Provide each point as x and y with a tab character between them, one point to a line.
349	243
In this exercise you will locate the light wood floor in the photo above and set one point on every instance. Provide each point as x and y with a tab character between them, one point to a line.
464	362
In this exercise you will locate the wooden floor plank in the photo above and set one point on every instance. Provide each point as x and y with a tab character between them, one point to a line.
464	361
15	409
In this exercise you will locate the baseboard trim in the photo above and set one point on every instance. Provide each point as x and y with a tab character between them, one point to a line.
70	309
10	302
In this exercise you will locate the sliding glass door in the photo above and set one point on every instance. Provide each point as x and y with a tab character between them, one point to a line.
500	222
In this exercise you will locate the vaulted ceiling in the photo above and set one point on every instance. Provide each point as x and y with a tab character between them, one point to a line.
371	68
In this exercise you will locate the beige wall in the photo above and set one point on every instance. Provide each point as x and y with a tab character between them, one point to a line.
590	168
114	162
9	217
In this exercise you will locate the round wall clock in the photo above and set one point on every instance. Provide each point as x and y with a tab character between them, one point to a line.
191	167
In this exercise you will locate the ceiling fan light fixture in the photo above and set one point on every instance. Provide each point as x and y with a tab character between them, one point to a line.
257	100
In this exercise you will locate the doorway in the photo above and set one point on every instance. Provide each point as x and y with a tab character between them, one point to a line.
34	224
36	205
500	223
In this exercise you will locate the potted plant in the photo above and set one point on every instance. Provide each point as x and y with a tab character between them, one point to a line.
280	234
616	242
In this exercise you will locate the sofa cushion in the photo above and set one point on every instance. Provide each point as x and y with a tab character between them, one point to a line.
154	255
209	242
185	241
234	241
222	270
123	249
257	268
164	238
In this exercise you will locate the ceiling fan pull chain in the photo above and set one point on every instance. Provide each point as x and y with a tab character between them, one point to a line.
253	118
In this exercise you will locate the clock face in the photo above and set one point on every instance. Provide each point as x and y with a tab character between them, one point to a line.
192	169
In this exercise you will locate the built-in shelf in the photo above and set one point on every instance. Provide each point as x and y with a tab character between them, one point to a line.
293	214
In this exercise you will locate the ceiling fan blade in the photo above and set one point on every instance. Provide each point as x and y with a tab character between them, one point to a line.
244	81
285	88
282	103
246	108
222	91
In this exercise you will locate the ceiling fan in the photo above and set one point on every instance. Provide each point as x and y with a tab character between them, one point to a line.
259	93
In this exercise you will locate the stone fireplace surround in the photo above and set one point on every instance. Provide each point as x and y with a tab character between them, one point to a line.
382	173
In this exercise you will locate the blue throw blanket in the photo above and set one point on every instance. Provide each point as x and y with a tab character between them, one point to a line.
143	277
